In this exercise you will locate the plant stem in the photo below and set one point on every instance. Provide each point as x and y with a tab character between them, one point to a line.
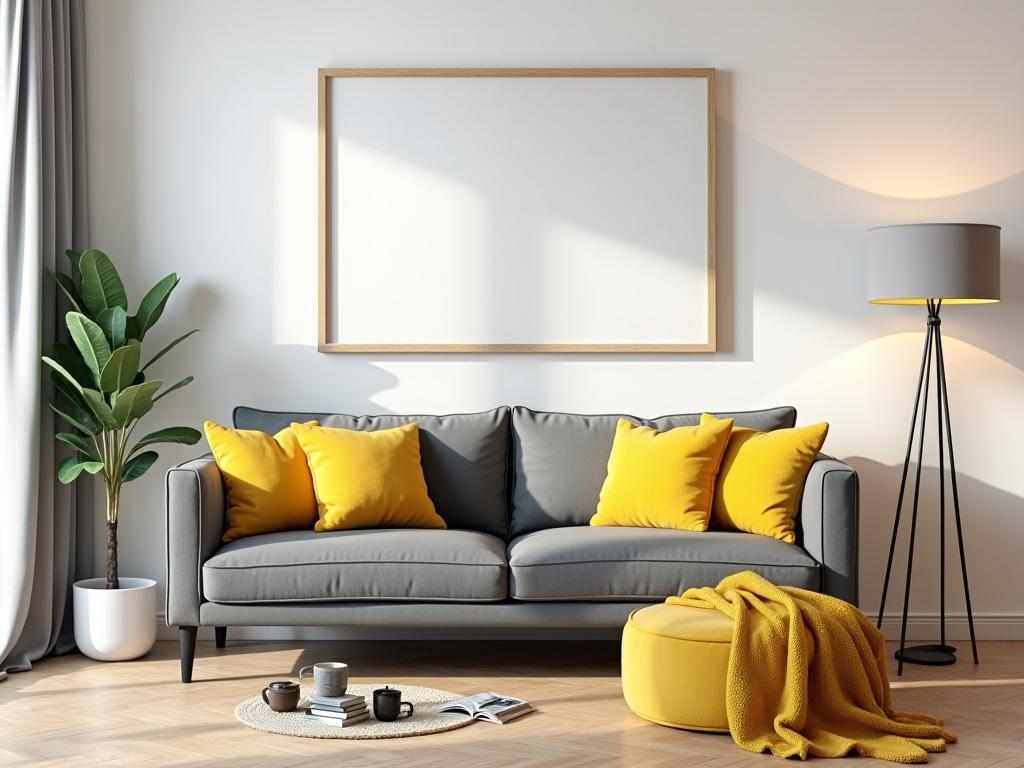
113	498
112	582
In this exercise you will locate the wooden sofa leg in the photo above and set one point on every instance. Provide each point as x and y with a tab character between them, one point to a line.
187	649
221	635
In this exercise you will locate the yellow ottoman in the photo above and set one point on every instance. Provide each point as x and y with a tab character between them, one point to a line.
674	662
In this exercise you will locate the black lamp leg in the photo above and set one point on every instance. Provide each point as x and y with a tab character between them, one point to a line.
917	497
941	653
934	654
940	391
956	496
903	477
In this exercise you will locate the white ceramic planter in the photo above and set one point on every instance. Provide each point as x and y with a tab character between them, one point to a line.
115	624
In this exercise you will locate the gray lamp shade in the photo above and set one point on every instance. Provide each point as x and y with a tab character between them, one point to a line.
912	263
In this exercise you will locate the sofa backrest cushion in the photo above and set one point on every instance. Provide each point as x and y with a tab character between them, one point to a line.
465	458
560	460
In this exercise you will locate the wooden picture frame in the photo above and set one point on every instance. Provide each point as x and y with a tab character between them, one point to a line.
327	194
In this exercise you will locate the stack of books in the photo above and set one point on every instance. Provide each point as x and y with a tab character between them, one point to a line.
339	711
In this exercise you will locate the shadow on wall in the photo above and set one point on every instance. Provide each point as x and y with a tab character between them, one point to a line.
796	256
812	251
991	521
800	253
994	328
792	251
734	316
808	244
272	383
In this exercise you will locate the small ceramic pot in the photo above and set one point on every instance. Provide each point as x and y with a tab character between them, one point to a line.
282	696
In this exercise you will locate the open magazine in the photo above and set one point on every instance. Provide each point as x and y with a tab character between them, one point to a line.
489	706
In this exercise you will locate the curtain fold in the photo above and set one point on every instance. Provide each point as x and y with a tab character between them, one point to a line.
42	212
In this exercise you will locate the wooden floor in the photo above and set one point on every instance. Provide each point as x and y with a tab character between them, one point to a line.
72	711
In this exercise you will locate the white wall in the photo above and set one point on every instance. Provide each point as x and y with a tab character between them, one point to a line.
833	118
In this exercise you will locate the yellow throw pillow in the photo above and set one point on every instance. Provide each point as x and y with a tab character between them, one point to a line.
762	477
368	479
268	483
662	479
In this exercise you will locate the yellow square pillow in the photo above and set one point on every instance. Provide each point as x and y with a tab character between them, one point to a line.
368	479
662	479
762	477
268	483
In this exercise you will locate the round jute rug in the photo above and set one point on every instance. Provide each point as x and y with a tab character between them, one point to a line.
256	714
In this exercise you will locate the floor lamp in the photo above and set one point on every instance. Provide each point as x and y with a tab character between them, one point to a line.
932	265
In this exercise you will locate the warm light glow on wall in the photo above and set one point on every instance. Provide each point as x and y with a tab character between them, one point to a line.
925	301
878	379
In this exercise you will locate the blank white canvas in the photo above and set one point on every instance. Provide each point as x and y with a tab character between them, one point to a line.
528	210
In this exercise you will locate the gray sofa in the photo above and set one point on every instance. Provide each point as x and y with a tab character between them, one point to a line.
517	488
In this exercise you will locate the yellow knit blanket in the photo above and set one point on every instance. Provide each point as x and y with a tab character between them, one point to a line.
807	676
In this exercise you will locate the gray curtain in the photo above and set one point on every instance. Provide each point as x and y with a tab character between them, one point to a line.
42	212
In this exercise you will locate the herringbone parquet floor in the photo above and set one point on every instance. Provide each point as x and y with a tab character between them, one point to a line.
71	711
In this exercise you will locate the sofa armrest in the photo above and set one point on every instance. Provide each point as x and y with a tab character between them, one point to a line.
827	525
195	523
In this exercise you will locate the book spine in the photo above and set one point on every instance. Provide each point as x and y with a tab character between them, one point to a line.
337	715
339	703
337	723
329	711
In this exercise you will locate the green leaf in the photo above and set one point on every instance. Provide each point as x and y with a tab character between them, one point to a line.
90	340
153	303
169	347
72	362
87	417
68	390
113	322
74	257
136	468
81	420
135	401
101	285
67	285
183	383
64	373
121	368
72	467
184	435
131	328
79	444
93	399
101	410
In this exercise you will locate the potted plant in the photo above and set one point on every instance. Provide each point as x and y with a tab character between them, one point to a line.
103	394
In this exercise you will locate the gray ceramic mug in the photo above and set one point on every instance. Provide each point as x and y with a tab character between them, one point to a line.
329	677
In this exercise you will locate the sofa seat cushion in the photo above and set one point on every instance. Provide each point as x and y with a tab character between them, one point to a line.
590	563
378	564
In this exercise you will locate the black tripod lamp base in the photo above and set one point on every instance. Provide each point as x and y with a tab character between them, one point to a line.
937	655
929	655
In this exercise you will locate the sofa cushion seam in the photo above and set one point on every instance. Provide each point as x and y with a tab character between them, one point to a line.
814	564
371	599
219	567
